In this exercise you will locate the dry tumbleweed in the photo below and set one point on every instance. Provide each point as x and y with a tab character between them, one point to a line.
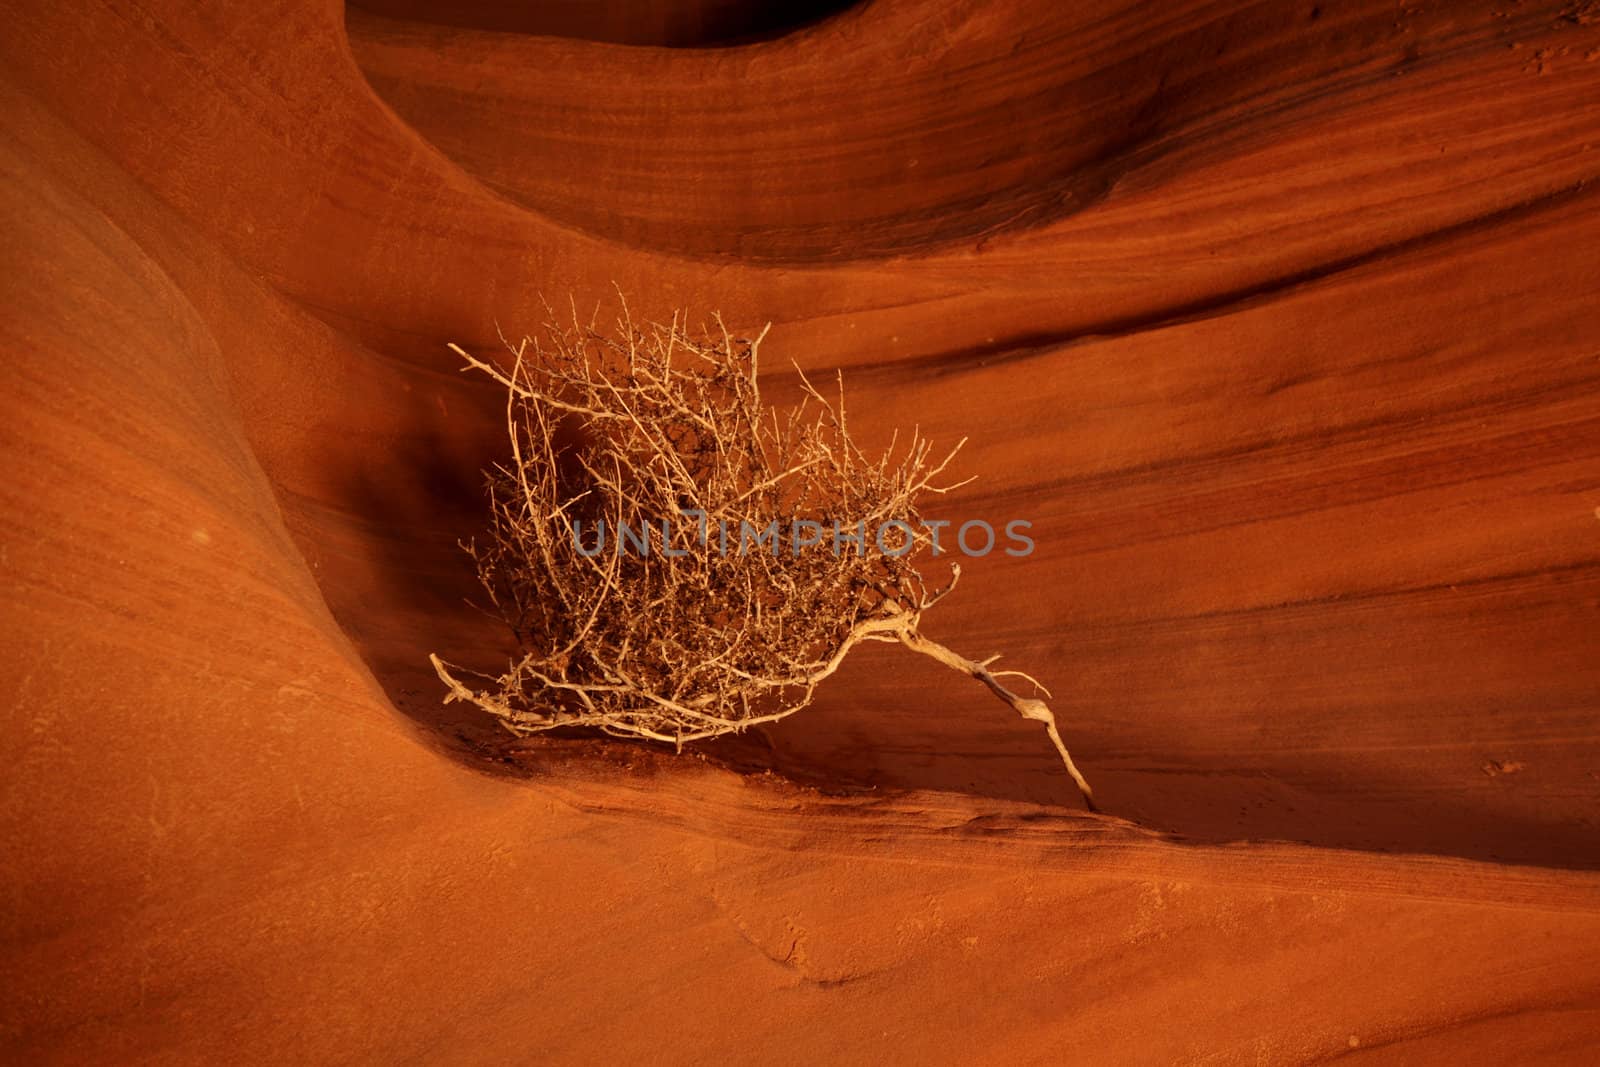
679	561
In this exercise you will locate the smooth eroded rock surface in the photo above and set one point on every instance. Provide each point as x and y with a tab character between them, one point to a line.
1276	321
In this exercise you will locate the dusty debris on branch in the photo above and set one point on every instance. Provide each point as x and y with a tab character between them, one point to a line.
695	621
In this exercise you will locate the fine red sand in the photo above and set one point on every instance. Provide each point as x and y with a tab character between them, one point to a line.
1276	319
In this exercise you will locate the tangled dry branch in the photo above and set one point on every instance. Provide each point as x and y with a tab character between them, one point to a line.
742	565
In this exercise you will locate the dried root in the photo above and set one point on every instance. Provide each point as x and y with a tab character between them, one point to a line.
679	561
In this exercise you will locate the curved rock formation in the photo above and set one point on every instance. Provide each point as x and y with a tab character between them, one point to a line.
1274	319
